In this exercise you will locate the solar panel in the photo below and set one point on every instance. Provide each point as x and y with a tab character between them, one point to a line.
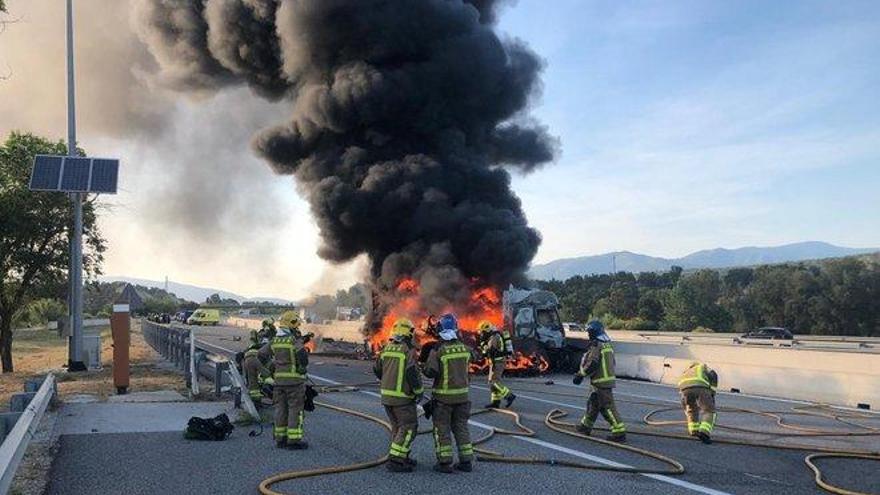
105	173
74	174
46	173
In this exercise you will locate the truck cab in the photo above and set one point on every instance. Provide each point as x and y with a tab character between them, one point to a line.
534	315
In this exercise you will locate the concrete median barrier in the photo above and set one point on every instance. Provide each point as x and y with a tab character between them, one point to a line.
841	378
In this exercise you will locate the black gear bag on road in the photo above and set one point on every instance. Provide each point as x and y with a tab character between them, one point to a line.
216	428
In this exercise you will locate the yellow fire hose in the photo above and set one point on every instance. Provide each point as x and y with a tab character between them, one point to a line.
553	421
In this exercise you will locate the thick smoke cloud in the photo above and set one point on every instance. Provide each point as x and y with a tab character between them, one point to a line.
404	117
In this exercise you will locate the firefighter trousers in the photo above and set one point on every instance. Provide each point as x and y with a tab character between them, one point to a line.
404	427
699	409
452	420
601	401
496	372
289	415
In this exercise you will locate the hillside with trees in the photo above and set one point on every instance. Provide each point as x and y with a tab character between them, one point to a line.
828	297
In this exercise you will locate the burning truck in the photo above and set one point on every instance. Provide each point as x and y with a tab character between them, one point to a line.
529	318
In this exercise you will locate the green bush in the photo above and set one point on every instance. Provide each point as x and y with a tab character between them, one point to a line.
702	330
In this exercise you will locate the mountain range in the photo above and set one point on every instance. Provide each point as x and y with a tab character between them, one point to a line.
191	292
562	269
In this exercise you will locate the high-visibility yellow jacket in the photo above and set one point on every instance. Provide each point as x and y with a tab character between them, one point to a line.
396	369
698	375
598	364
448	365
290	359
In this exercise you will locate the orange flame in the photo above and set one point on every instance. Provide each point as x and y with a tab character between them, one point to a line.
484	303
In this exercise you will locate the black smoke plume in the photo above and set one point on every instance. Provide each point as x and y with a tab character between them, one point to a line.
405	116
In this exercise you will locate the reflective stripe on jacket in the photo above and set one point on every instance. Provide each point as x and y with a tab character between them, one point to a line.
698	375
598	364
448	364
289	369
399	376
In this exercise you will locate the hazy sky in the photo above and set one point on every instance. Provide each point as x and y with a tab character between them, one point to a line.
684	126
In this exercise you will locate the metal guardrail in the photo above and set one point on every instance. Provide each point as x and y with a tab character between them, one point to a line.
208	360
16	442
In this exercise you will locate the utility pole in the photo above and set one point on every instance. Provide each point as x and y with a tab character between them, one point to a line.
75	300
614	264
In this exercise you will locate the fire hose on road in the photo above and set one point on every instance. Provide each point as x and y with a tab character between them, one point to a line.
553	422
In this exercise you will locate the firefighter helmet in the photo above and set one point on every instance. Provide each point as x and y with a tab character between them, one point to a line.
289	319
486	326
403	328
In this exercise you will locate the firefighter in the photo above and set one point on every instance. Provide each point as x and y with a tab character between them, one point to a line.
267	329
598	364
290	360
254	367
450	406
697	386
493	346
401	390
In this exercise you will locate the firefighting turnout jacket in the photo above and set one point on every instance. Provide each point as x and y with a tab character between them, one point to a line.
494	347
698	375
396	369
598	364
290	359
448	365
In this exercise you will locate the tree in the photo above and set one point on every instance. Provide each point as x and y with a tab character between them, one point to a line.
34	235
694	302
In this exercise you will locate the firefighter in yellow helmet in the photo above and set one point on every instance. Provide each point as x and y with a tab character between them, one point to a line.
290	359
697	386
401	389
494	347
598	364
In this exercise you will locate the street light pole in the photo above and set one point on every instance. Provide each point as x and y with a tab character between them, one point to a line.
75	302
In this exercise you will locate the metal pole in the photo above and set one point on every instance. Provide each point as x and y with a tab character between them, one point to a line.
76	260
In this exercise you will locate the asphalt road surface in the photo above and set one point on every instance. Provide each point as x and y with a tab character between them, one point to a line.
166	463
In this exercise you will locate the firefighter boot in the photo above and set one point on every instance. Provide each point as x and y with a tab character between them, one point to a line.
495	404
298	445
617	437
443	468
399	466
466	466
281	443
704	437
586	430
510	398
411	462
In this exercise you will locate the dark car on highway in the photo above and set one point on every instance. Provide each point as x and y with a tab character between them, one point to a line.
772	333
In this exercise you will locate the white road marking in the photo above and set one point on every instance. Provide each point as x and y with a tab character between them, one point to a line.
566	450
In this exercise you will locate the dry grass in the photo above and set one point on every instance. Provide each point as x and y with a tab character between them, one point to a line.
40	351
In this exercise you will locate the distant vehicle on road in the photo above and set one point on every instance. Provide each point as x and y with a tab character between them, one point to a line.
184	315
771	333
204	317
572	327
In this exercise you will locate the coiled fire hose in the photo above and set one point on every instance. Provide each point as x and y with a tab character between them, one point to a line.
553	421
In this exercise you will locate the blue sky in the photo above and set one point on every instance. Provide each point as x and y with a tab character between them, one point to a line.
691	125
